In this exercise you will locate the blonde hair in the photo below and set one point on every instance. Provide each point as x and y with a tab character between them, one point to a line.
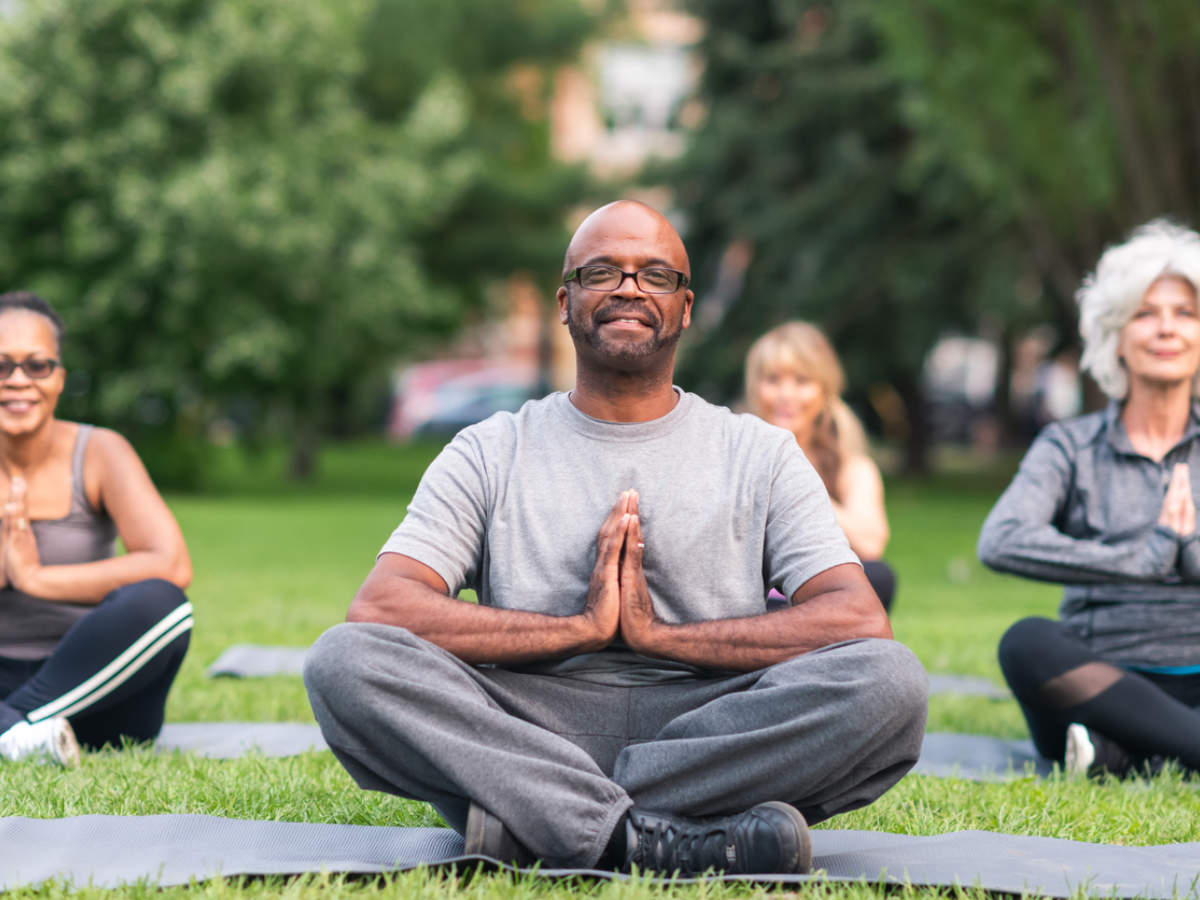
1110	295
801	348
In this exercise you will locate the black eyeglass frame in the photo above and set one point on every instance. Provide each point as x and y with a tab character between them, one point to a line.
575	273
9	366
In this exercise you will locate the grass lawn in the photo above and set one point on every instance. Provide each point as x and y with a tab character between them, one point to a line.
277	564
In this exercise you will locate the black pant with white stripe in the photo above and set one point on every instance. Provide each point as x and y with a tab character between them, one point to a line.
111	672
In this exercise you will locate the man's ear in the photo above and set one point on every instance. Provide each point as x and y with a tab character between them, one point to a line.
688	299
561	296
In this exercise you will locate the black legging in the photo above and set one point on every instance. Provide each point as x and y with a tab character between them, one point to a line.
879	574
1058	681
110	673
882	579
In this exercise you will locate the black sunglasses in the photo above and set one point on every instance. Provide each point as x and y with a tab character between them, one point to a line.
34	368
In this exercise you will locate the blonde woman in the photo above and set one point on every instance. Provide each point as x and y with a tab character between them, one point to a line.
794	380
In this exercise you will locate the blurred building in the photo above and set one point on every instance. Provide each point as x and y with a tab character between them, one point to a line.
627	101
961	374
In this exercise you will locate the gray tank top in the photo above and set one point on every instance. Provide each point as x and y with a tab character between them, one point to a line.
31	628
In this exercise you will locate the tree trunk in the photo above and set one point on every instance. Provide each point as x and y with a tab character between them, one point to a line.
1002	404
916	445
306	440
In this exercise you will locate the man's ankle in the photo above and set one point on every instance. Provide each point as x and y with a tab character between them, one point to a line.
616	849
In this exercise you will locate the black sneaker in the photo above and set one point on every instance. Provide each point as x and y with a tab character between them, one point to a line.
1092	754
768	838
488	836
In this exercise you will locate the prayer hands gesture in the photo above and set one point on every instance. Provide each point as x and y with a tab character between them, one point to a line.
18	548
1179	510
618	598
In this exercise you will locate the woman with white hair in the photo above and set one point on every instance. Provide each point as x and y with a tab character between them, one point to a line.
1106	505
794	380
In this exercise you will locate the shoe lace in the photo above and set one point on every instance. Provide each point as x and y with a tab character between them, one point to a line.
695	847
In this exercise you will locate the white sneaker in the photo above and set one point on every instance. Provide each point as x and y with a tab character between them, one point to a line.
1081	752
50	740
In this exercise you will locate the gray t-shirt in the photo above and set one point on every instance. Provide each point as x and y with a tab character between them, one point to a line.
30	628
729	507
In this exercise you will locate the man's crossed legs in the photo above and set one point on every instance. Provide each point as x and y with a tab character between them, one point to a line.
561	762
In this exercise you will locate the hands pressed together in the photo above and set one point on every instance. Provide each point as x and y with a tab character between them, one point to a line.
618	600
19	560
1179	510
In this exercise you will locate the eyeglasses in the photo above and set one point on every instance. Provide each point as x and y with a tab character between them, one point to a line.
608	278
34	368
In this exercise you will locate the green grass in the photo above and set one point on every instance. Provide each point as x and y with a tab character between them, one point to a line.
277	564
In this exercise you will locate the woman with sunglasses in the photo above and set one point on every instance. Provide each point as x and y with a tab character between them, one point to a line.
794	380
90	641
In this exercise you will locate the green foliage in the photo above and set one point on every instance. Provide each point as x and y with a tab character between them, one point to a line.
510	216
242	211
903	170
802	158
1067	121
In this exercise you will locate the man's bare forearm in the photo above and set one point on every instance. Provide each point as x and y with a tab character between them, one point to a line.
475	634
828	613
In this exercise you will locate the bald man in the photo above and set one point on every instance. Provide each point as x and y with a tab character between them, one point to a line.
620	696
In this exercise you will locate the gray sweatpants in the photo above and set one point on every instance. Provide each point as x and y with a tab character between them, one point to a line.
560	760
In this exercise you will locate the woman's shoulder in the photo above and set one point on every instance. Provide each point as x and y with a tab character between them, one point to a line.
103	442
107	454
1079	430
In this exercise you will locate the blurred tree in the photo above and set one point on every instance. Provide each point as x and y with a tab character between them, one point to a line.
800	204
243	206
1071	123
895	171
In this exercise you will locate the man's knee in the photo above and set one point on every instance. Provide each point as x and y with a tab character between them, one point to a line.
886	679
900	683
350	656
332	661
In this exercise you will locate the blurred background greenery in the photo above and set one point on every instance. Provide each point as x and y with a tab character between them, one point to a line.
256	215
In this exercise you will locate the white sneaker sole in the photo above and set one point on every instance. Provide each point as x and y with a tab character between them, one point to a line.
1080	753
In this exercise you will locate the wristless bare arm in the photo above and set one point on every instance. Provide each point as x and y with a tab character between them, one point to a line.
861	512
116	481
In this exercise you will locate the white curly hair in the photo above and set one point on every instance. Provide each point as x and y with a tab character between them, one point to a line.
1110	296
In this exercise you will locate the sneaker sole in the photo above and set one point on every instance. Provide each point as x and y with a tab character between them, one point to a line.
1080	753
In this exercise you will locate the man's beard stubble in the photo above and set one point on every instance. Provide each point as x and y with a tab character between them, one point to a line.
626	350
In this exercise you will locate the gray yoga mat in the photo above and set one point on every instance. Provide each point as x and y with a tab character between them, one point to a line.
258	661
172	849
971	756
968	685
978	757
227	740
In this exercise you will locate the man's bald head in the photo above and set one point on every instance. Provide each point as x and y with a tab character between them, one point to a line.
623	329
621	224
